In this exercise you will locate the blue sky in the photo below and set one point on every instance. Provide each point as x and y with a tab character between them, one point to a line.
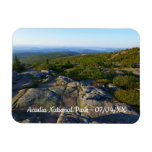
116	38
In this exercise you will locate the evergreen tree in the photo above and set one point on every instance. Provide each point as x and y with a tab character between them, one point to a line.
46	64
17	65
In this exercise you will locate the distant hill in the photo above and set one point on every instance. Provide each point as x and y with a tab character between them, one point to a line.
37	54
126	58
49	49
129	58
33	57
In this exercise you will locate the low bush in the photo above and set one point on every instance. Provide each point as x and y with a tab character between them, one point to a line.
130	96
126	81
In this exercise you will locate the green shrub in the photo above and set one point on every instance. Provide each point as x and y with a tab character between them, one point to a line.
130	96
104	81
54	74
126	81
129	58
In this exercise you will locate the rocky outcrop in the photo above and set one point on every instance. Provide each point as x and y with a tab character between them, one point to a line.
86	82
95	105
62	80
45	71
58	89
74	118
111	87
14	76
73	84
37	97
83	118
135	71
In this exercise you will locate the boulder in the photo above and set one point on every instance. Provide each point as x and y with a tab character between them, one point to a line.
57	89
62	80
117	118
28	85
27	75
74	117
112	87
78	117
40	74
86	82
24	81
91	97
37	96
45	71
93	91
73	84
70	97
14	75
119	72
108	106
17	97
69	90
48	78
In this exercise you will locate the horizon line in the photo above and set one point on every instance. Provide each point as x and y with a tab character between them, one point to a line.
34	45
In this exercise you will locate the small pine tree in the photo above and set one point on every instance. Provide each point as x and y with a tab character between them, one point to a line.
46	64
17	65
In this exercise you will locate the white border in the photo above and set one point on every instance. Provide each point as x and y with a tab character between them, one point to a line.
17	137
